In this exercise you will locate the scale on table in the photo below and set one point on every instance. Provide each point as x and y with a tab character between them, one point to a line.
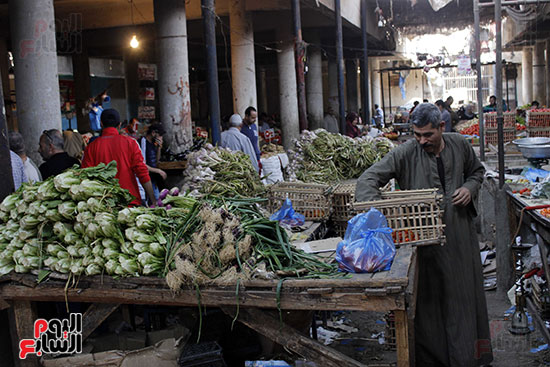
535	150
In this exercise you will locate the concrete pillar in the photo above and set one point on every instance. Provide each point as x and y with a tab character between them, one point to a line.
527	75
547	72
352	96
375	83
82	88
4	71
539	77
288	95
262	93
333	87
314	87
173	69
36	80
243	69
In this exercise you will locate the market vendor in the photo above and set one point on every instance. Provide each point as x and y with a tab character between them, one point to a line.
111	146
352	120
451	324
233	139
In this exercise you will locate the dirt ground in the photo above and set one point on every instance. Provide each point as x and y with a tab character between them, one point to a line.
509	350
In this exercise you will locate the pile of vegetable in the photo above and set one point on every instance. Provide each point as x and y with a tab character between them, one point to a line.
230	240
78	222
471	130
323	157
219	171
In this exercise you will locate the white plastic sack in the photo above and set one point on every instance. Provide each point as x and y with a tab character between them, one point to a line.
438	4
271	169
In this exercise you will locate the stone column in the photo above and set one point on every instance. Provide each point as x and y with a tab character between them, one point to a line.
36	80
243	69
82	88
314	87
173	69
263	106
375	83
333	87
351	86
539	77
527	75
288	95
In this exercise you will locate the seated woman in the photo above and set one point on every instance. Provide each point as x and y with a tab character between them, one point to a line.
352	119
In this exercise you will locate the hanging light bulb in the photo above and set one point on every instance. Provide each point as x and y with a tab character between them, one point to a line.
134	43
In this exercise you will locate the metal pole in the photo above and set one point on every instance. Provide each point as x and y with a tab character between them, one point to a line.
389	91
507	89
209	22
479	83
6	176
365	65
383	99
299	52
340	64
500	118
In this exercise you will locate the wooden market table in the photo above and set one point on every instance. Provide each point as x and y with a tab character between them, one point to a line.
393	290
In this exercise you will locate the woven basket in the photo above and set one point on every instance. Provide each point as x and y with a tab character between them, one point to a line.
342	200
415	216
311	200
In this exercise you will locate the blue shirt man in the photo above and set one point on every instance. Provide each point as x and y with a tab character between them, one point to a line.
234	140
250	129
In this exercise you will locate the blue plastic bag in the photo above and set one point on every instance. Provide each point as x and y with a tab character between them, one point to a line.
367	246
287	215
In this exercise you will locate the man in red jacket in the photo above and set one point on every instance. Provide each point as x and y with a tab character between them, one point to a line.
125	151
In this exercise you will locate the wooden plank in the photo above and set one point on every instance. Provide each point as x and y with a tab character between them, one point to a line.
176	165
211	298
410	297
398	270
94	317
402	338
100	282
22	315
289	338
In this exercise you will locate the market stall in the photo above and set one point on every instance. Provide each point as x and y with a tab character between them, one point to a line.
392	290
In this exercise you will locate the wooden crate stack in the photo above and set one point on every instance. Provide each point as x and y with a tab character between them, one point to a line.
491	132
538	123
311	200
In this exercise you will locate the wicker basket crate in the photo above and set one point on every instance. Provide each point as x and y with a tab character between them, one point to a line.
536	118
311	200
343	197
538	132
415	216
491	136
491	120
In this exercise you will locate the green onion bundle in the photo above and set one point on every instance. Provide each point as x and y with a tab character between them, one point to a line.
323	157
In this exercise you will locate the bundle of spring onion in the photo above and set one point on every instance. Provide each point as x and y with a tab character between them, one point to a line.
231	240
323	157
69	224
220	171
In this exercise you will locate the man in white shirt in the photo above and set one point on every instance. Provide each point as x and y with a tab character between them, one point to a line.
234	140
17	146
378	116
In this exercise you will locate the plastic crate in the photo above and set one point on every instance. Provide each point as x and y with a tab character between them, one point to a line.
311	200
491	136
207	354
415	216
538	118
491	120
538	132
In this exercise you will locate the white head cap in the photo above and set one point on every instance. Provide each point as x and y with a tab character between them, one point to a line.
235	120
